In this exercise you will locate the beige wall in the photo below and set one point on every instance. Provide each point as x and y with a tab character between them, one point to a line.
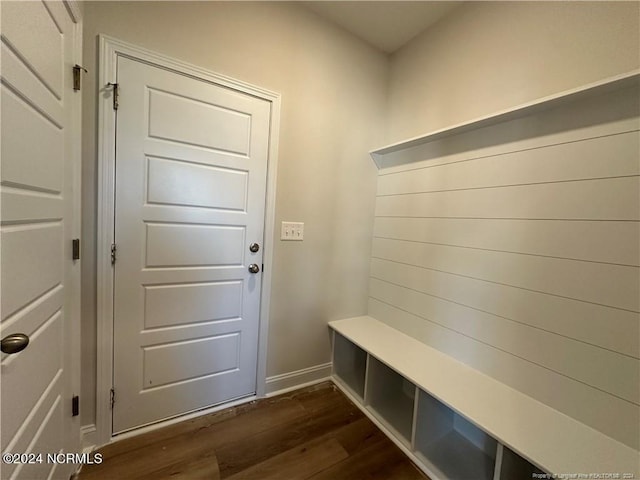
333	89
489	56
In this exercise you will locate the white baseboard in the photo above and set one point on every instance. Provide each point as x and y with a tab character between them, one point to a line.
286	382
88	434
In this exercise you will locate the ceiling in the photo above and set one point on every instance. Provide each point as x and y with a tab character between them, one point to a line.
386	25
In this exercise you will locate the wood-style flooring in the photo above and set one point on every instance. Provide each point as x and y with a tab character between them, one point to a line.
313	433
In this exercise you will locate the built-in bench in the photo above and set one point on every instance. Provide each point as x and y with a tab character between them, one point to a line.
455	422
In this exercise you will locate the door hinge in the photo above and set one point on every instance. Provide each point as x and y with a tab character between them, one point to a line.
116	94
75	406
112	398
77	74
113	253
75	253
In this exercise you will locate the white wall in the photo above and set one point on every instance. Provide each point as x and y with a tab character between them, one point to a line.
333	89
489	56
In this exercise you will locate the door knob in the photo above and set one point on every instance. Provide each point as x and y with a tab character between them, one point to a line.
253	268
14	343
254	247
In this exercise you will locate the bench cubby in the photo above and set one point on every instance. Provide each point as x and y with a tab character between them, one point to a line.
443	437
391	398
349	365
457	423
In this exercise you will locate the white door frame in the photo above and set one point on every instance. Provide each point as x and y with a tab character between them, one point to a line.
110	50
74	378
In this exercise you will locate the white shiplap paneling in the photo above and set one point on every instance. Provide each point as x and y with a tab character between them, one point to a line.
575	200
609	328
604	284
575	359
606	413
600	157
515	249
605	242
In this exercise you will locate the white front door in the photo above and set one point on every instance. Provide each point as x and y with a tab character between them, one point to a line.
39	216
191	164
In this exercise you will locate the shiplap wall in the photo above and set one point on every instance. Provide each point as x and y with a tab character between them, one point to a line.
515	249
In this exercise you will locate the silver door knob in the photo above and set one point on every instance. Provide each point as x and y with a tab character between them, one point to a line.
253	268
254	247
14	343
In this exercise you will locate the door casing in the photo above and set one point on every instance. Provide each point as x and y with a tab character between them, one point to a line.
109	51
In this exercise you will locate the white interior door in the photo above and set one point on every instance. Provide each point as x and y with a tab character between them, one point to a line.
39	216
191	164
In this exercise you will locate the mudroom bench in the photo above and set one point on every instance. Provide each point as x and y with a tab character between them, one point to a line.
455	422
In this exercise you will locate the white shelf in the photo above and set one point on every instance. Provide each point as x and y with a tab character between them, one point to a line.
546	437
597	88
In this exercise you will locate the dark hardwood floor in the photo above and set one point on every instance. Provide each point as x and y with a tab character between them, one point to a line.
314	433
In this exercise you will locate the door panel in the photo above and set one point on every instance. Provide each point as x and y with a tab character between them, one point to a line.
39	154
38	37
41	367
192	303
46	439
24	165
173	362
192	245
34	266
190	189
16	72
202	123
209	187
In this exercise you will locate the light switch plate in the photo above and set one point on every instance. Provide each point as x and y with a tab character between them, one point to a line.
292	231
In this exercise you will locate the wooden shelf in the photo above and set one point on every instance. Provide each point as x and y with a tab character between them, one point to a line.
626	80
553	441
